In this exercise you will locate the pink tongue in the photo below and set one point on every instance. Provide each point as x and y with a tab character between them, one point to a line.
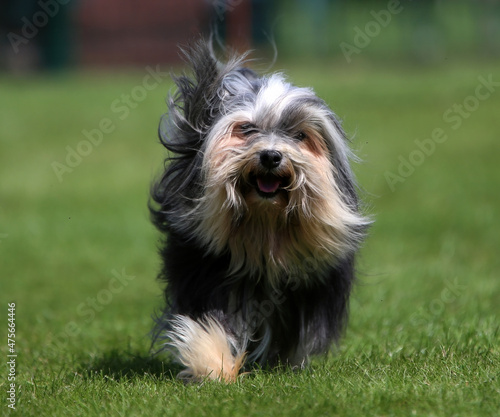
268	184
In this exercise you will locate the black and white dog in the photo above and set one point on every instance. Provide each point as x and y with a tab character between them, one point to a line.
260	215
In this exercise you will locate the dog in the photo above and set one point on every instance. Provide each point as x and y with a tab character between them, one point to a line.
259	211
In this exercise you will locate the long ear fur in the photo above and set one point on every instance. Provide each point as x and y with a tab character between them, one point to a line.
192	109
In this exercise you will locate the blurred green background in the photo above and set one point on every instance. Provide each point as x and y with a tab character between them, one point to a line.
417	85
419	31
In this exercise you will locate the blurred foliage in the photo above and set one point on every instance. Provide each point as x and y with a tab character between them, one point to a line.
428	31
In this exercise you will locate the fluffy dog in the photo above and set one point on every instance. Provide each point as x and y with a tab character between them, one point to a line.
260	215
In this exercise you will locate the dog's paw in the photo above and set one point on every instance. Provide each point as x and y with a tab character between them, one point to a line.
206	349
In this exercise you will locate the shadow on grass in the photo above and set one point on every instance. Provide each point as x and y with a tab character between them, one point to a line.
120	365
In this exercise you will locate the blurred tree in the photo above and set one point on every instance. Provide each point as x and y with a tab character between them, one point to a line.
36	34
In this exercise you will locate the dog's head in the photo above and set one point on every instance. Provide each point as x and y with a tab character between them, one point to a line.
262	171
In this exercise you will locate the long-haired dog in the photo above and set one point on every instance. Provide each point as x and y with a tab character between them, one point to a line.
259	210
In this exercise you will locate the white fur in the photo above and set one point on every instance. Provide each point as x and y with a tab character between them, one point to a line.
205	349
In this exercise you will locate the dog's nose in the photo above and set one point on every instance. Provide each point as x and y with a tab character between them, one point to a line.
270	159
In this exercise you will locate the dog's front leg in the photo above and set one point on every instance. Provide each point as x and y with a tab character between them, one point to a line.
205	348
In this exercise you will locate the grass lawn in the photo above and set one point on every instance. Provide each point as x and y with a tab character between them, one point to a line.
78	255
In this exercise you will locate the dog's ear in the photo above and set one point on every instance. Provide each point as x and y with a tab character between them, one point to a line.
198	96
191	108
192	111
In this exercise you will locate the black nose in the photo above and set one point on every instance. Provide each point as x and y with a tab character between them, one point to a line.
270	159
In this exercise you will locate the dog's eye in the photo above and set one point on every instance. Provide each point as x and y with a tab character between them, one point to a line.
300	136
247	129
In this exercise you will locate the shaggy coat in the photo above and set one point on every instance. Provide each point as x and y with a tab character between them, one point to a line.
259	213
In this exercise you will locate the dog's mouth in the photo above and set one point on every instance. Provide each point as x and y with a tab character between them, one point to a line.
269	185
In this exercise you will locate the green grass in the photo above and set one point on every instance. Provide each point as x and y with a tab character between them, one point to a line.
423	338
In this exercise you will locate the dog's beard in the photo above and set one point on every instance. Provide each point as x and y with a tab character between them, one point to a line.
274	222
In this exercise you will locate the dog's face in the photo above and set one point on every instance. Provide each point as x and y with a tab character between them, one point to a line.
274	172
269	150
